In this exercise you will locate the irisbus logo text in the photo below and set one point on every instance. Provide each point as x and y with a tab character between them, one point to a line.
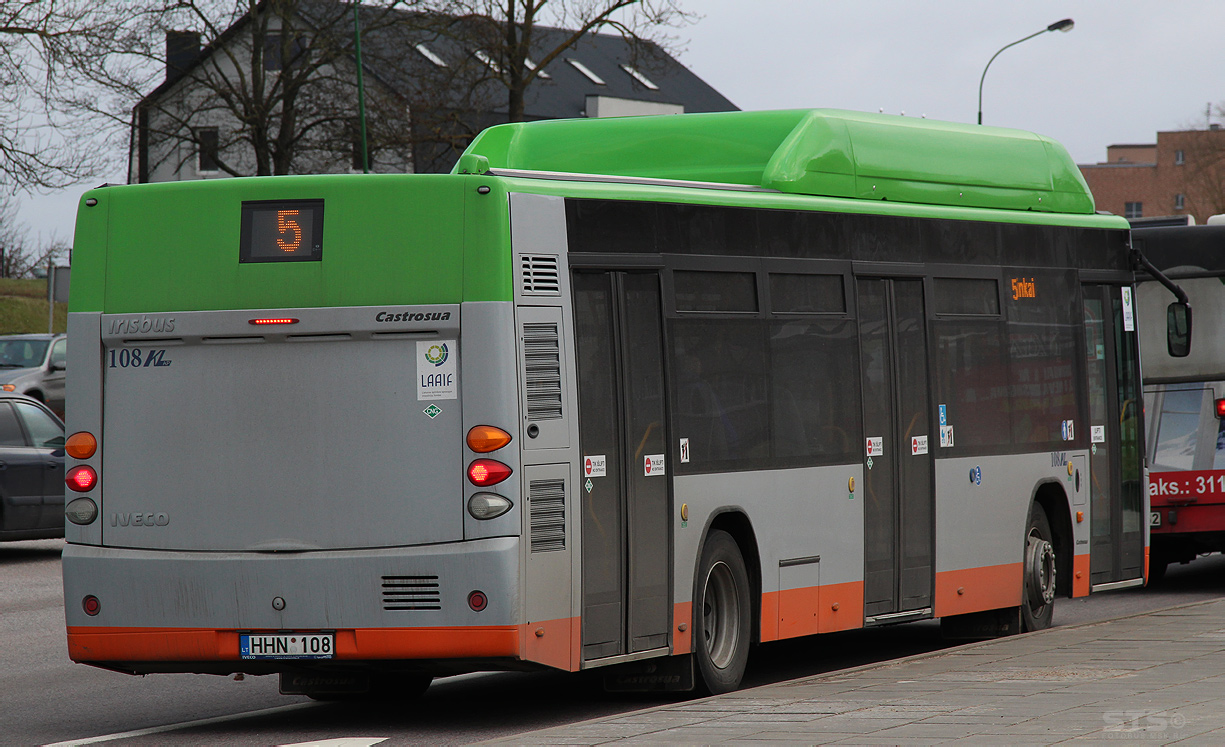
411	316
135	325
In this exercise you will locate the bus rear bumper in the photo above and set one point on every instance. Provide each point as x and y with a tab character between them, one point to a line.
176	611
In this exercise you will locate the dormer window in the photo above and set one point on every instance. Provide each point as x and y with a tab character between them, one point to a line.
428	54
638	76
591	76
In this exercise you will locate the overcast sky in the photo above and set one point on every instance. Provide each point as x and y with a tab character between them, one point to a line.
1128	69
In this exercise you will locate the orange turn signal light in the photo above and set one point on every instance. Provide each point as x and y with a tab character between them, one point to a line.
9	387
486	438
81	445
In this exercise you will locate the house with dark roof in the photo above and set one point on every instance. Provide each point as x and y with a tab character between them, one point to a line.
429	87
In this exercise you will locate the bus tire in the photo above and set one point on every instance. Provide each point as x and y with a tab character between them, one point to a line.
1038	588
722	615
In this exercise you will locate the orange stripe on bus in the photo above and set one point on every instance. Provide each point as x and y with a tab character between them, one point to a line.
791	613
199	644
977	589
682	640
1080	574
549	642
841	607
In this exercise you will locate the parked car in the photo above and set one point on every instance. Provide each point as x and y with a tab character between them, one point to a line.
34	365
31	469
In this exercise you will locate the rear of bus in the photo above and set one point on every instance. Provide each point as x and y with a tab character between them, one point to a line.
273	395
1184	397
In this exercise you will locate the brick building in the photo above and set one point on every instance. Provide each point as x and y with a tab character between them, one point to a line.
1182	174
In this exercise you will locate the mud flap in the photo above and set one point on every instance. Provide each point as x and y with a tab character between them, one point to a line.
665	674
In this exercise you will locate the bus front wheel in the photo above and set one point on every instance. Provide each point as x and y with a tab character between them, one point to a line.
1038	594
722	614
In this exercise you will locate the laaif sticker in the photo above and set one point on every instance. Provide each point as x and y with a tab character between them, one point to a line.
918	445
876	446
436	370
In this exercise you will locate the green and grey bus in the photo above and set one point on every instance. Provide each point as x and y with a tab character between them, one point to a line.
632	393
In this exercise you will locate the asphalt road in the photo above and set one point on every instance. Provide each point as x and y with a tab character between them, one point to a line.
48	699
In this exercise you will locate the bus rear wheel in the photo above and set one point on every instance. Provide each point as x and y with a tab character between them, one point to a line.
722	615
1038	593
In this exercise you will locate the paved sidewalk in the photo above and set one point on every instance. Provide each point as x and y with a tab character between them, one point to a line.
1158	678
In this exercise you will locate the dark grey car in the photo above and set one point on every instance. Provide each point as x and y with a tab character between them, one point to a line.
31	469
35	365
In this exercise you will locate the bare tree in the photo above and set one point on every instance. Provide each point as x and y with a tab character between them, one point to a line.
273	91
506	33
41	42
19	256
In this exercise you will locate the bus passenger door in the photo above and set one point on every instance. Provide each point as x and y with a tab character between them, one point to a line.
1116	550
626	532
899	513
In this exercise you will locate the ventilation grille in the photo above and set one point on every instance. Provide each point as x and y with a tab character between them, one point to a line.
548	500
403	593
540	276
542	371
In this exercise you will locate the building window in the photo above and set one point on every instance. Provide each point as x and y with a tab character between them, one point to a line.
638	76
591	76
275	52
1180	201
207	139
1133	209
1179	158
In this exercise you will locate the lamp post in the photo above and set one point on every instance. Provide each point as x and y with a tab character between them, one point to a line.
1065	25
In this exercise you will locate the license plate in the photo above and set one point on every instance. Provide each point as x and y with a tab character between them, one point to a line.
291	646
1154	518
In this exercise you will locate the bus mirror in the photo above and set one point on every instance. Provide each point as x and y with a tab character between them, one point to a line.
1178	329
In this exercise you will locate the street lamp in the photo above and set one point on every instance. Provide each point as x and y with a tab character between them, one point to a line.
1064	25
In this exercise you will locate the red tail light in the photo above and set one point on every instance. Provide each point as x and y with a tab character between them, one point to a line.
1220	408
279	320
81	479
486	472
92	605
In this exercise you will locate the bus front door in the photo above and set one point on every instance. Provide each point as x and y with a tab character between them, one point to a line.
625	541
898	496
1116	508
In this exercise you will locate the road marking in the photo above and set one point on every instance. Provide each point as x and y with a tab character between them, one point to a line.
187	725
341	742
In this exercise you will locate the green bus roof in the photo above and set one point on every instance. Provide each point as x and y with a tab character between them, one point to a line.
823	152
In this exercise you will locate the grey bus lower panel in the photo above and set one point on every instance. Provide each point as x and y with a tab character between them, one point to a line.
408	587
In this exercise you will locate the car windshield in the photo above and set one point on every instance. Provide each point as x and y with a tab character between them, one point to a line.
22	353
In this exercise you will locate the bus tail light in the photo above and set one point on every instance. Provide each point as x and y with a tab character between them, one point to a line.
81	445
486	438
1220	408
82	478
478	601
91	605
485	472
81	511
488	505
